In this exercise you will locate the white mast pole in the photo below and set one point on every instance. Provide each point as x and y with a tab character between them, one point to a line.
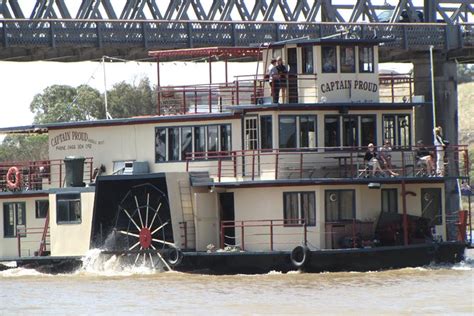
432	88
107	114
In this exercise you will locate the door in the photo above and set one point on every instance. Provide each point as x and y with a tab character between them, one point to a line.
228	216
292	75
251	158
14	215
206	220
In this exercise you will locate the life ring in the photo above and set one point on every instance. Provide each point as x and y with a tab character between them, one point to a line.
299	256
13	178
174	257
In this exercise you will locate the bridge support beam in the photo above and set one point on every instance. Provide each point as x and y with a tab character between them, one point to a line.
446	108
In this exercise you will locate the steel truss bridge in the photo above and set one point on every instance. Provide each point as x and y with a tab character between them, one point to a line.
67	30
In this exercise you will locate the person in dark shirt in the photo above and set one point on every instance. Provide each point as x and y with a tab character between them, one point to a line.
423	157
371	159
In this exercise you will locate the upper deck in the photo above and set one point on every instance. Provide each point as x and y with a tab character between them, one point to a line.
335	103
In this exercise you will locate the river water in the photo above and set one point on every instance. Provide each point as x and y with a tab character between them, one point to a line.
443	290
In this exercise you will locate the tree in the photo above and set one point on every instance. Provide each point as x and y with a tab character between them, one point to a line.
61	103
24	148
126	100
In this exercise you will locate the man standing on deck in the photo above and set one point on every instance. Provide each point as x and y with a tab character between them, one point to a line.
274	80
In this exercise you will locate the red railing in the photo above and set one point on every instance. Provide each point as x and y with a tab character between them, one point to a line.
36	175
319	162
262	225
255	89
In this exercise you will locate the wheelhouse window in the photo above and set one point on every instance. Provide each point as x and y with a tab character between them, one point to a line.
340	205
307	58
14	215
348	59
329	60
68	208
41	208
297	131
431	206
266	134
397	130
299	208
356	130
174	143
389	200
366	59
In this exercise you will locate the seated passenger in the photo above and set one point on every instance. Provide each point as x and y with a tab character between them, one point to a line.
386	157
423	157
371	159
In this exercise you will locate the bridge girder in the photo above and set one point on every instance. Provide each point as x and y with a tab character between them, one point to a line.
449	11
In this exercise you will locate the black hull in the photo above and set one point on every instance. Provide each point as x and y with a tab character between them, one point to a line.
368	259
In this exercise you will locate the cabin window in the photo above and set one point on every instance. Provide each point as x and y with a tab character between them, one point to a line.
397	130
366	59
297	131
350	127
299	208
68	208
266	134
329	60
331	131
368	127
431	206
41	208
307	58
175	143
160	145
340	205
389	200
348	59
251	132
14	215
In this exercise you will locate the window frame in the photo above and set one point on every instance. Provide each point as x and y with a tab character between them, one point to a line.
392	195
70	198
298	131
393	134
265	133
438	219
301	218
324	58
363	61
345	67
339	218
205	137
14	225
307	59
37	212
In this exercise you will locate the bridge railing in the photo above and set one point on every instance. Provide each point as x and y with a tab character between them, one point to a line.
167	34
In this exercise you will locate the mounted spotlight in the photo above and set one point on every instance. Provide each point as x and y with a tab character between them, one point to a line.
374	185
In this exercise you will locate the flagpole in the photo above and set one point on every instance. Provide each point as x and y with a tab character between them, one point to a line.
432	88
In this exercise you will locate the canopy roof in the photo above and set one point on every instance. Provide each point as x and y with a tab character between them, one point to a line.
224	52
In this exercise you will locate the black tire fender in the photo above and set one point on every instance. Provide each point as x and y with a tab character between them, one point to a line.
299	256
174	257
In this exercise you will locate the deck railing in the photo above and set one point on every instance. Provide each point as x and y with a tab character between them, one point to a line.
35	238
263	232
256	90
321	162
38	175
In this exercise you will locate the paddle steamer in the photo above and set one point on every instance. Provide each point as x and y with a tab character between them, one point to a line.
230	178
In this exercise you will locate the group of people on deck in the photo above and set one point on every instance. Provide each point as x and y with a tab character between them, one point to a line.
376	160
278	78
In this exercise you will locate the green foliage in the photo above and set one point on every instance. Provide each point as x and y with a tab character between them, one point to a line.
60	103
465	73
126	100
24	148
